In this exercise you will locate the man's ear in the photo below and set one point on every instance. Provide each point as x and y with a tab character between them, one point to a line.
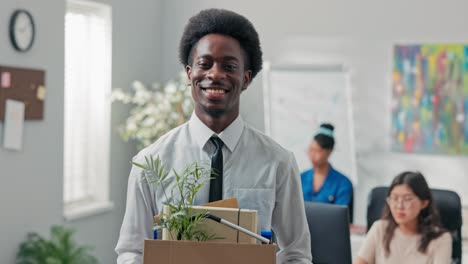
188	71
247	79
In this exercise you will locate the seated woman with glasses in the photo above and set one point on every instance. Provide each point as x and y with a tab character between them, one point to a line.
323	183
409	231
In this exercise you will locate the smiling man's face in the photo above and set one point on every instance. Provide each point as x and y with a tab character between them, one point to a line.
218	76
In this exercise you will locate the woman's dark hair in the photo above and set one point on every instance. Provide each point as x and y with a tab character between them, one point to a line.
223	22
428	219
325	141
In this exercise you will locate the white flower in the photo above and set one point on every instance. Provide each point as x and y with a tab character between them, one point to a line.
137	85
154	111
149	121
170	87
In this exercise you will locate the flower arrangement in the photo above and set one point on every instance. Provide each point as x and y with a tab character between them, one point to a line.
156	110
179	220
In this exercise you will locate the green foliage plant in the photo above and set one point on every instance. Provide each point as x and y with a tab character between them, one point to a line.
59	249
179	219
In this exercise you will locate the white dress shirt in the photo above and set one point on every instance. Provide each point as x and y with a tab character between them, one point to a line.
256	170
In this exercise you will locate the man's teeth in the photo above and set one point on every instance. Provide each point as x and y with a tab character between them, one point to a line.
216	91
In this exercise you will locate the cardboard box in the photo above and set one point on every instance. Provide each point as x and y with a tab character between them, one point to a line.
183	252
242	217
228	203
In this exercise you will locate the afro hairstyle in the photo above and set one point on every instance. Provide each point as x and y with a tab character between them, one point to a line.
224	22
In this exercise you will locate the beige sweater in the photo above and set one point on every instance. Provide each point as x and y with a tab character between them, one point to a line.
404	248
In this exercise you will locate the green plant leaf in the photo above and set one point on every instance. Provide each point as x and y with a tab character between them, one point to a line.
59	249
139	165
187	183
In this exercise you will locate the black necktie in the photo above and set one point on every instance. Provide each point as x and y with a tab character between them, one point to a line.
216	182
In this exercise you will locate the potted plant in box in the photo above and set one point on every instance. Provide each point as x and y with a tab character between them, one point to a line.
180	220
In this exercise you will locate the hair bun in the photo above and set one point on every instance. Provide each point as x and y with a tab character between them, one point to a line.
327	126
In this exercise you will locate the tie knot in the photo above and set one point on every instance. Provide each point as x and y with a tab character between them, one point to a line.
217	142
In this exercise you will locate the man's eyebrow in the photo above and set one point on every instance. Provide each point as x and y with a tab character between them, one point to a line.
203	57
231	58
226	58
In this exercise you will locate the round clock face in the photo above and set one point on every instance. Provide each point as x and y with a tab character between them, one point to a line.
22	30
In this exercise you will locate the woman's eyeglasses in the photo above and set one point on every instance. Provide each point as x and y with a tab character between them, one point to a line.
406	201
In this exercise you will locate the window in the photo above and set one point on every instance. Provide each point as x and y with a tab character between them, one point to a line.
88	49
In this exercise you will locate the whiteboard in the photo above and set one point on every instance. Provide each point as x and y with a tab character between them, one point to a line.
298	99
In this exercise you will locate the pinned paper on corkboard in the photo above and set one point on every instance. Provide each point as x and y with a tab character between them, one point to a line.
25	85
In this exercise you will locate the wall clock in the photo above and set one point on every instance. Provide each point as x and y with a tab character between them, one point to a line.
22	30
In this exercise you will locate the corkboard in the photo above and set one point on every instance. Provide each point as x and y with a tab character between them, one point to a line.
26	85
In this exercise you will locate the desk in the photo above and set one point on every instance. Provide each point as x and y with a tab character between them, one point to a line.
358	234
356	242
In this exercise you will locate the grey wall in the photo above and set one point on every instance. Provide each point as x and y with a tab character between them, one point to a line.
32	179
31	188
360	35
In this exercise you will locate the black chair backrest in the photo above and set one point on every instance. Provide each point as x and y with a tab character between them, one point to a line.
447	203
329	233
351	207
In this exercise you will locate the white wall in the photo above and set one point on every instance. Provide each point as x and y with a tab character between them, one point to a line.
32	179
359	34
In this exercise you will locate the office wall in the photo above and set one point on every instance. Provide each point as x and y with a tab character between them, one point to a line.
146	33
32	179
359	34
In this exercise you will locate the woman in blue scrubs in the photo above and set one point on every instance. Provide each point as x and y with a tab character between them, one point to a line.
323	183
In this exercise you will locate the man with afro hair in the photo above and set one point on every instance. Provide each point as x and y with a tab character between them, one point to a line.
221	53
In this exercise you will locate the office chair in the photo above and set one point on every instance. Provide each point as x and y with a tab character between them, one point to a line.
329	233
351	207
448	204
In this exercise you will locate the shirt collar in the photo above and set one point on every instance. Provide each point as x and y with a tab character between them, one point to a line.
230	135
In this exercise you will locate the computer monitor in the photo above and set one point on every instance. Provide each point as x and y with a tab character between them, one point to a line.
329	233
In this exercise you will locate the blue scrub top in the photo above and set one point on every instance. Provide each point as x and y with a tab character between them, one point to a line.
336	189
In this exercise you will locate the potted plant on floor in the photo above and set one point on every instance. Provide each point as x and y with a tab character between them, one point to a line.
59	249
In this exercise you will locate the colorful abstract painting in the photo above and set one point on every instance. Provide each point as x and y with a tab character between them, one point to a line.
430	99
